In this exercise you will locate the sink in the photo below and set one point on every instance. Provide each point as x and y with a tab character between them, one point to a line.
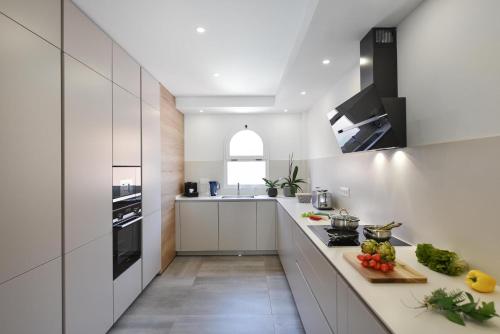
238	196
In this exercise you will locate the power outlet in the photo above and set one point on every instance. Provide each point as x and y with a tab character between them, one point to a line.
345	191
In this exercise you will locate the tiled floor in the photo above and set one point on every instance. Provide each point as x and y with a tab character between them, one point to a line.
215	295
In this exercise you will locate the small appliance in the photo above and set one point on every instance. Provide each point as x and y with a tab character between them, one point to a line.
214	187
321	199
190	189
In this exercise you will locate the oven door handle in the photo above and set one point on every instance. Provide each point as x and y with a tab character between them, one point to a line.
128	223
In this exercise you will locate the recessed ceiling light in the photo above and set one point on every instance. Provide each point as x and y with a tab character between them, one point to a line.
326	61
200	30
363	61
201	110
216	75
303	92
286	110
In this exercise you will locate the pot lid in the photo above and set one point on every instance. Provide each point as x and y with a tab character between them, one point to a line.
344	215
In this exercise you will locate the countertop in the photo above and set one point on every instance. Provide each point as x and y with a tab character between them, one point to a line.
392	302
219	198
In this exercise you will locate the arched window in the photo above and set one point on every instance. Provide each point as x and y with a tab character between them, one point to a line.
246	164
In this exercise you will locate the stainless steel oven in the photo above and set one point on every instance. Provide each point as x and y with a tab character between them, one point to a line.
127	218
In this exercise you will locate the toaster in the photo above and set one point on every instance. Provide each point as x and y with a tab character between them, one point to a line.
322	199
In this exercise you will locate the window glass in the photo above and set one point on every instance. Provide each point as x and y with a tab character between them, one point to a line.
246	143
246	172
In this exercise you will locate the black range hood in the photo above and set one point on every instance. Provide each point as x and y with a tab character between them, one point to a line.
375	118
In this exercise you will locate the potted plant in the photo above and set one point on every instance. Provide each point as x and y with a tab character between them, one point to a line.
272	191
290	184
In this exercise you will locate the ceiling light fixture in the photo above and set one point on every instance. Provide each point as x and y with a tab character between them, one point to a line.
303	92
216	75
326	61
200	30
201	110
286	110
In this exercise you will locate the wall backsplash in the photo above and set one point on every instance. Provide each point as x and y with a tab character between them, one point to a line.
445	186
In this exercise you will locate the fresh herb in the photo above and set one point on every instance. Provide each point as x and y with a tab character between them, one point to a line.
439	260
457	306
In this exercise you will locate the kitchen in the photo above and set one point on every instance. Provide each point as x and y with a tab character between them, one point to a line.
144	133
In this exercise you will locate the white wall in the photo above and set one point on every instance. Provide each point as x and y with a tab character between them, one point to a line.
447	51
207	134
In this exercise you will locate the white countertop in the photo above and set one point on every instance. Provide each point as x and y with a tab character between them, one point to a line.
388	301
220	198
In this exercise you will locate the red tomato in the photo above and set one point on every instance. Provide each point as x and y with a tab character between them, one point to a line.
384	267
368	257
372	263
377	266
376	257
391	265
361	257
364	264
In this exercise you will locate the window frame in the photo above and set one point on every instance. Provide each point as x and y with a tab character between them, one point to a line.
229	158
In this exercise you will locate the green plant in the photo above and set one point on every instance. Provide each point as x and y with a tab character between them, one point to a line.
292	181
270	183
458	306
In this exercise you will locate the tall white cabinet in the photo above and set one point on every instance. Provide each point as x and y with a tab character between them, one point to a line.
30	147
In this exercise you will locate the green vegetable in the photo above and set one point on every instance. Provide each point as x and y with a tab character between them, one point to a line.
457	306
439	260
307	214
369	246
386	251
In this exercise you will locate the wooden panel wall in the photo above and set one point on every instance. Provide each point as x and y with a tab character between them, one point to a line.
172	170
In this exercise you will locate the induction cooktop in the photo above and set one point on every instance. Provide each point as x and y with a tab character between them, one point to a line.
335	238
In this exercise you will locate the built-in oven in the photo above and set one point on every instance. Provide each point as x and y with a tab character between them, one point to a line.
127	218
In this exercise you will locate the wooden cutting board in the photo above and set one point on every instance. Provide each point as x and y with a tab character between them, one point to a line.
402	272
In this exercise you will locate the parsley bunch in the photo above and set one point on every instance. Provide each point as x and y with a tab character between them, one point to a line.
458	306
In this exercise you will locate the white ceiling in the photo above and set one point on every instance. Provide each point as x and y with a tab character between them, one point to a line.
266	51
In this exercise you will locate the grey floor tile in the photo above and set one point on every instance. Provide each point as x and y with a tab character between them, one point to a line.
224	325
134	324
288	324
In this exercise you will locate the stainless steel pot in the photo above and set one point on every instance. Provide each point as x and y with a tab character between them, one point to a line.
380	232
344	221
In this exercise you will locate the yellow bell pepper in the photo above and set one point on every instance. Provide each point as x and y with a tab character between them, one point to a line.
480	281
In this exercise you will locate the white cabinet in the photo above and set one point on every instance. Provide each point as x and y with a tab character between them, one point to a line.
85	41
126	71
310	313
89	287
238	225
30	149
353	316
266	225
126	288
87	154
150	89
126	128
43	17
320	275
32	302
151	247
199	226
285	242
151	160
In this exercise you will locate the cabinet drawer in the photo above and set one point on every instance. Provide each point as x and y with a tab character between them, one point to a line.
320	275
126	288
311	315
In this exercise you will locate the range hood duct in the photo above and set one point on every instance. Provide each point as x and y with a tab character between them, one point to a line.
375	118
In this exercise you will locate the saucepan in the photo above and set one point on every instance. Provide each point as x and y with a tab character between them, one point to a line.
380	232
344	221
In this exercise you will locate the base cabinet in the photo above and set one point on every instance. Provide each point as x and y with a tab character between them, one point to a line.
151	247
199	226
237	225
266	225
126	288
89	287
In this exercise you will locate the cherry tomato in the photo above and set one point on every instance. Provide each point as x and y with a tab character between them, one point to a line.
384	267
372	263
368	257
377	266
376	257
364	264
361	257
